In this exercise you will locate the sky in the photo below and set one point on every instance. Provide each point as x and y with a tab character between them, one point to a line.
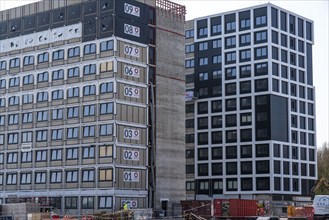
316	10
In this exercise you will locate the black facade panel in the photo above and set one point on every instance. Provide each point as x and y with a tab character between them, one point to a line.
44	20
89	28
29	23
73	14
264	125
131	30
132	10
274	14
105	5
59	17
244	15
309	64
3	28
15	27
105	26
90	8
279	118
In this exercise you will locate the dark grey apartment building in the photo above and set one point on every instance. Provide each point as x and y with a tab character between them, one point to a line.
90	101
250	105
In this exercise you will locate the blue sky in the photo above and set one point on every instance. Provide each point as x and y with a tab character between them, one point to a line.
316	10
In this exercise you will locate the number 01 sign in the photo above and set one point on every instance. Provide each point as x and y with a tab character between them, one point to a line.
129	176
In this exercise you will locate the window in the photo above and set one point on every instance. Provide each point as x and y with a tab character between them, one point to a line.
245	39
106	87
203	169
275	37
73	92
230	26
26	178
105	174
43	77
73	112
216	153
246	119
73	72
58	74
12	157
89	131
216	121
57	134
217	59
245	71
216	29
231	136
106	108
203	61
14	63
13	138
87	202
202	31
260	36
2	120
217	74
42	116
56	154
202	138
203	46
29	79
189	33
106	45
203	76
230	104
231	184
104	202
88	110
58	94
260	20
72	133
89	90
245	23
42	135
189	63
189	48
74	52
56	176
230	42
13	82
245	55
89	49
105	151
71	176
245	87
230	120
217	43
71	202
41	155
216	106
13	119
230	57
43	57
261	69
261	85
246	151
88	175
88	152
3	65
28	60
230	89
2	83
58	55
40	177
260	53
71	153
105	130
230	73
42	96
89	69
27	137
11	178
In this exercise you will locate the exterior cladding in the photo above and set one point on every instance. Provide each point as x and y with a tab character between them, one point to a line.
100	19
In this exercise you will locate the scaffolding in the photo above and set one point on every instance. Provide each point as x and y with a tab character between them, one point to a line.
171	7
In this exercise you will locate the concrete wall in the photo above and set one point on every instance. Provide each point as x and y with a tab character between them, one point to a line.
170	109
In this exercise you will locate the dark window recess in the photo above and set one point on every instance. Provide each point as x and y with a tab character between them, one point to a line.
230	23
292	24
260	17
300	27
244	20
283	25
216	26
309	31
263	183
246	151
274	15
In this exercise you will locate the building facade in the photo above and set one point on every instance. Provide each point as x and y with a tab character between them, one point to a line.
250	106
80	104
